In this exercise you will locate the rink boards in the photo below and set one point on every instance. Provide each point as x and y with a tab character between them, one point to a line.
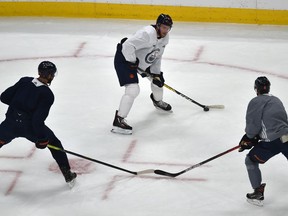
95	9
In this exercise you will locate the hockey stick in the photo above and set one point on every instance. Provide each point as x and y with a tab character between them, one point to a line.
205	107
164	173
101	162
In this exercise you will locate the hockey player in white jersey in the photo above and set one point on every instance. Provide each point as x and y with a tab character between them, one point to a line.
141	52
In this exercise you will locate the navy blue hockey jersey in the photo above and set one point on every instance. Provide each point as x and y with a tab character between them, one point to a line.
30	100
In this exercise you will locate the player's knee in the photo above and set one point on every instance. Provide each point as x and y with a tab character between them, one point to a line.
53	140
250	164
132	90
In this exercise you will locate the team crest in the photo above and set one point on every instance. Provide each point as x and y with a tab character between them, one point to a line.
151	57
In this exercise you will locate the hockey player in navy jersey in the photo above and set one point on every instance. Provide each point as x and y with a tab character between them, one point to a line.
266	133
141	52
29	102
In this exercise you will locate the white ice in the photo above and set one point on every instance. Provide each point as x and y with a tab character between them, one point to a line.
210	63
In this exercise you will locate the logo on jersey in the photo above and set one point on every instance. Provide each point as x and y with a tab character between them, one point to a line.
37	83
151	57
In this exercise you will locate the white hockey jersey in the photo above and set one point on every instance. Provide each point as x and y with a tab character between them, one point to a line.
145	46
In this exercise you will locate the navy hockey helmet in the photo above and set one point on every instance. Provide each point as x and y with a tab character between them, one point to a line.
47	68
262	85
164	19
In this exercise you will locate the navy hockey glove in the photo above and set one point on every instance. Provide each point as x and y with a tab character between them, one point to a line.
42	143
158	80
247	143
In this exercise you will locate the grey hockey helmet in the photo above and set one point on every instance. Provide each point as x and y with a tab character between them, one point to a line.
164	19
47	68
262	85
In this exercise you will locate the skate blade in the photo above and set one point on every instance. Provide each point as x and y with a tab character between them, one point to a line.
71	184
162	110
118	130
259	203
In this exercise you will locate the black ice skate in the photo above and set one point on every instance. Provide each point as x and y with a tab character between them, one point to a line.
120	126
257	197
70	177
161	104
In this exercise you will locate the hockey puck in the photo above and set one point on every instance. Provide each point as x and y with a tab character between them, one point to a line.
206	109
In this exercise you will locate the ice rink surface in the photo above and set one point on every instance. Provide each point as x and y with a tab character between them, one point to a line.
210	63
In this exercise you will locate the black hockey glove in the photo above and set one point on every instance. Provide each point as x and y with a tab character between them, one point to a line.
143	74
247	143
147	73
158	80
42	143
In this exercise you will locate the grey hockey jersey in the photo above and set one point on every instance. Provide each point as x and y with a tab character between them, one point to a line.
266	117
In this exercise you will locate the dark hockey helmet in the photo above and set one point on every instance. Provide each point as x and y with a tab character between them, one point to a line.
47	68
164	19
262	85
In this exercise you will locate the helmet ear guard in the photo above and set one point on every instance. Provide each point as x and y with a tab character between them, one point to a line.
46	68
262	85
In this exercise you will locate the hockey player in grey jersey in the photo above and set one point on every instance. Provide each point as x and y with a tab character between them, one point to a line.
141	52
266	133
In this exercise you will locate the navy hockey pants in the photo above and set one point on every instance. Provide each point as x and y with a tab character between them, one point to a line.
12	128
263	151
125	75
260	154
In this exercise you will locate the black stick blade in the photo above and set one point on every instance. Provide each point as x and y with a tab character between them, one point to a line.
163	173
